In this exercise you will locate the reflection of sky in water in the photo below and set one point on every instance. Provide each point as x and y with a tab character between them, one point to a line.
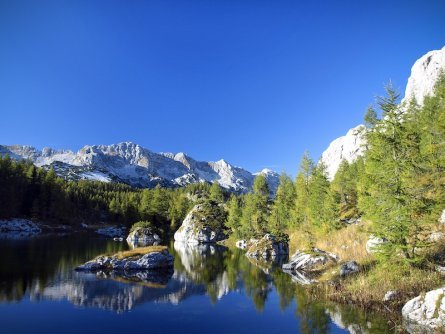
212	289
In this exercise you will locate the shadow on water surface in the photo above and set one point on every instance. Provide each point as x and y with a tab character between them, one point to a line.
42	270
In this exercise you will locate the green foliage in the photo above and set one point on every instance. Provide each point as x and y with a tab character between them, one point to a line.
255	214
402	191
234	213
141	224
283	206
216	193
31	192
212	215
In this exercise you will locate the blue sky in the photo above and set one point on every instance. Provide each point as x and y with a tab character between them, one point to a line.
254	82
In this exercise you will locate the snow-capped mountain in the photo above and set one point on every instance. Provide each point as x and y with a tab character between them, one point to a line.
424	75
137	166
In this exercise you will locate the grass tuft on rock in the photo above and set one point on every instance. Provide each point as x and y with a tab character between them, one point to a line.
140	251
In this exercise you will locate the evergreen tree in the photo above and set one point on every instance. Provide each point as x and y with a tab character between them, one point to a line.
281	215
216	193
234	214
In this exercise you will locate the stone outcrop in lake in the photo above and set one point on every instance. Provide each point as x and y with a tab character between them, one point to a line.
203	224
313	260
267	248
18	229
426	313
157	259
143	236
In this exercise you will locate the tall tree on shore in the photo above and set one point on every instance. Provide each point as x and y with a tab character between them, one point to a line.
281	215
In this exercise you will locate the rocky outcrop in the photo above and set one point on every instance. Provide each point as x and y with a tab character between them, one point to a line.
143	236
151	260
373	243
424	75
197	227
18	229
313	260
349	268
348	147
425	313
267	248
391	296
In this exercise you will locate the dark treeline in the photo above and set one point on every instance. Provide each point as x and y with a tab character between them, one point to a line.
32	192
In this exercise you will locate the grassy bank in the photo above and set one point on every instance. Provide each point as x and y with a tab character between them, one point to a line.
367	288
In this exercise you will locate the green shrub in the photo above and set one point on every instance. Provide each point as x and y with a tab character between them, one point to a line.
143	224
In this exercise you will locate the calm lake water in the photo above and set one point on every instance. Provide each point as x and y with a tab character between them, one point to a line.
212	290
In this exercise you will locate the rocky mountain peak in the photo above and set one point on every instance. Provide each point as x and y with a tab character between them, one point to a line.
424	75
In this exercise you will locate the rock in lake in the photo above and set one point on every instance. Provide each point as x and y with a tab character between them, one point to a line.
144	258
315	259
18	229
203	224
425	313
268	248
143	236
348	268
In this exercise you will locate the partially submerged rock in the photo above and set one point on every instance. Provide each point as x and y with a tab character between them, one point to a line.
143	236
300	277
18	229
348	268
425	313
268	248
203	224
146	258
313	260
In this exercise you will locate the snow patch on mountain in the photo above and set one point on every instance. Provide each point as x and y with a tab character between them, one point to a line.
137	166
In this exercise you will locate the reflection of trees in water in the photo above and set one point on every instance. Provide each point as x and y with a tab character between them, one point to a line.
35	267
31	264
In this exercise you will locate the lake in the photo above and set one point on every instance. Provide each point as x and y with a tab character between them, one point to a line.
212	290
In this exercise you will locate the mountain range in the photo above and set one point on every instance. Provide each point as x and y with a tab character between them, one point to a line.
139	167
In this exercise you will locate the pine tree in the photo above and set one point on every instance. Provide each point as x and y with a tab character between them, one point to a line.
216	193
281	215
234	214
388	202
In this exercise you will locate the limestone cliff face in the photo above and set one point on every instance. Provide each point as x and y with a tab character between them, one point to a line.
424	75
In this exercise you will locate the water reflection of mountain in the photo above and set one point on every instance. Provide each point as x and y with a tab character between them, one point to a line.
39	272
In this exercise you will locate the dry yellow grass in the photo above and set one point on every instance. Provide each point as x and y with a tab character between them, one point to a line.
139	251
349	243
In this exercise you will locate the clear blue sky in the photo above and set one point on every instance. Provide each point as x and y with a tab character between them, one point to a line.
253	82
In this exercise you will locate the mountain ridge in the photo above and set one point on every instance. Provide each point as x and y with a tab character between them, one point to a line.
130	163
